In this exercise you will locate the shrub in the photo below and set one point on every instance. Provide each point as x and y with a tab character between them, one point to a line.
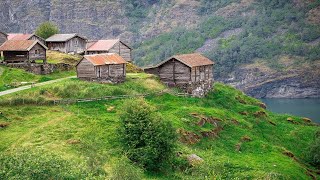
146	138
46	30
124	170
313	153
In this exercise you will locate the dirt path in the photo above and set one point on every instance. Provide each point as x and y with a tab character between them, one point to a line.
10	91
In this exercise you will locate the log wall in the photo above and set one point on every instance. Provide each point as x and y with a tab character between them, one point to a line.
39	55
85	69
106	73
75	45
3	38
33	37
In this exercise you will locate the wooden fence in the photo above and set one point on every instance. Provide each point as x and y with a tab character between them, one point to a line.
72	101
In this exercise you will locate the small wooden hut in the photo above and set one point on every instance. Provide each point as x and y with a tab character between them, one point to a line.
14	36
110	46
191	72
23	51
67	43
108	67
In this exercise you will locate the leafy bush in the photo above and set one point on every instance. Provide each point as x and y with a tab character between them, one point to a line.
146	138
124	170
313	155
46	30
27	164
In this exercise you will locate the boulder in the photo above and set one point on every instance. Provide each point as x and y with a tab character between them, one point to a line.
194	160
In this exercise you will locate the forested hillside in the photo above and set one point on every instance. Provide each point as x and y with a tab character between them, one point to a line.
234	33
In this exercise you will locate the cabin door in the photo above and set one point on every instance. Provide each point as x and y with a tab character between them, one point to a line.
98	71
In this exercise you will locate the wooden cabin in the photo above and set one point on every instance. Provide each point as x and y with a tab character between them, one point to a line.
3	37
108	67
190	72
110	46
23	51
14	36
67	43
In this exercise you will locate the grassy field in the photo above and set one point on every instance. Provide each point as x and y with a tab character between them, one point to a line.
79	140
13	77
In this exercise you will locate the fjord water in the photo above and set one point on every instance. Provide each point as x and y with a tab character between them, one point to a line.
309	108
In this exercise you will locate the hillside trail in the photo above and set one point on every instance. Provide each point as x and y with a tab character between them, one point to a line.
10	91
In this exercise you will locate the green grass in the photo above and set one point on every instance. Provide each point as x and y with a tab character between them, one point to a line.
84	133
13	77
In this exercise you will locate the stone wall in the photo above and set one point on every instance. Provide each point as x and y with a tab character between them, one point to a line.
41	68
197	89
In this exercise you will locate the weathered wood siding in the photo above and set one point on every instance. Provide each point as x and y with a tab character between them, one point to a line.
85	69
201	73
3	38
15	56
118	48
114	72
38	39
39	55
174	72
57	46
75	45
125	52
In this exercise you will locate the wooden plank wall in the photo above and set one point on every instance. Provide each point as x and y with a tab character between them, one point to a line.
125	52
3	38
57	46
174	71
40	56
85	69
38	39
76	45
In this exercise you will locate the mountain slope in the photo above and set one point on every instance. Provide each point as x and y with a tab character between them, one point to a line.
234	33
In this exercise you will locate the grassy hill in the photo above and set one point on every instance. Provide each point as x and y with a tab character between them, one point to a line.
235	136
12	77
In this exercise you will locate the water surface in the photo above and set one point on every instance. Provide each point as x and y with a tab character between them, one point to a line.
309	108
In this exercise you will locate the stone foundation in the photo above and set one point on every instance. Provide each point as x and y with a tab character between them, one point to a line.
41	68
197	89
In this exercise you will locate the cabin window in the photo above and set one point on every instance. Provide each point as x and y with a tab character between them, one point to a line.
37	51
76	42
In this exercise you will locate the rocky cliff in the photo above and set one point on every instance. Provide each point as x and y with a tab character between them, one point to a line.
292	81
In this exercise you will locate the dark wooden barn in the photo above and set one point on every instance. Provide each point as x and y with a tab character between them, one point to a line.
14	36
67	43
23	51
191	72
110	46
3	37
102	68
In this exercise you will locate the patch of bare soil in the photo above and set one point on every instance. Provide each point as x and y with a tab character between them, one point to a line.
314	15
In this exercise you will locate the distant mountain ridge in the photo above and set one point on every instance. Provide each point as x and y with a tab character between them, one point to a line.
234	33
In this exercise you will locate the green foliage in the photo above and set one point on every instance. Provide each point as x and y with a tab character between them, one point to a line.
209	6
177	42
122	169
146	138
278	28
26	164
46	30
313	154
